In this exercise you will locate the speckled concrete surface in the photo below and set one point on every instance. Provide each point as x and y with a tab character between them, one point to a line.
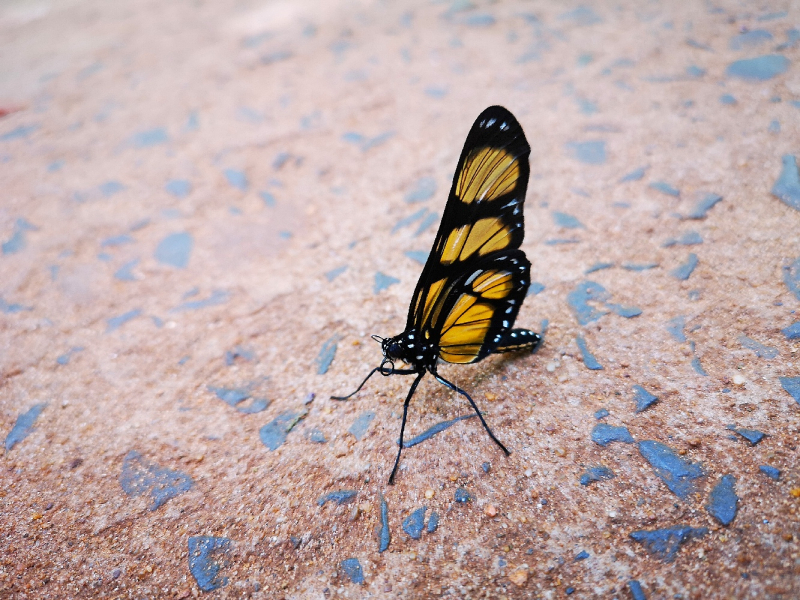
208	207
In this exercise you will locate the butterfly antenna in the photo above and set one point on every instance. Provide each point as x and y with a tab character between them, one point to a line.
358	389
377	338
455	388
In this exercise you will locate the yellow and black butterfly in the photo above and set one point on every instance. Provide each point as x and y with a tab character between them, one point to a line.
476	277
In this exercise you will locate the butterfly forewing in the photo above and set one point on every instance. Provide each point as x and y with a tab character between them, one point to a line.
482	222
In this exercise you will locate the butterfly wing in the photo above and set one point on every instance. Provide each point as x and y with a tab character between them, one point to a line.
482	222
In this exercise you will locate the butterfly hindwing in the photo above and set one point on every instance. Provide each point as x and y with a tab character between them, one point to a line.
482	222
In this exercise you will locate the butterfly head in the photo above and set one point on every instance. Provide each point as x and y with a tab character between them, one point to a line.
409	348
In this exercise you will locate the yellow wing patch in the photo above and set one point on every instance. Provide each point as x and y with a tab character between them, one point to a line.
487	174
465	329
485	235
493	285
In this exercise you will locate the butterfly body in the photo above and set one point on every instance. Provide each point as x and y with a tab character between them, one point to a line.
476	277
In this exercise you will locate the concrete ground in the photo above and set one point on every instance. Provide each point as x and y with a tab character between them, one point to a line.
206	209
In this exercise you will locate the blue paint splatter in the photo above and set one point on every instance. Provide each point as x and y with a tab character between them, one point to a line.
430	432
433	522
179	188
634	175
694	72
723	501
582	555
267	198
479	20
385	536
592	152
760	349
690	238
601	414
207	557
594	474
64	359
116	240
683	271
339	497
274	433
424	189
582	16
792	386
588	358
637	593
792	332
567	221
359	427
750	39
598	267
761	68
535	288
701	209
791	277
109	188
352	568
639	266
383	281
18	133
727	99
140	477
414	523
410	219
771	472
238	352
559	241
334	273
420	256
13	307
677	473
579	299
366	143
751	435
117	322
18	239
462	496
23	425
429	220
317	436
436	91
664	188
787	187
175	250
125	272
217	297
628	312
236	179
643	398
603	434
664	543
774	126
676	326
149	137
326	355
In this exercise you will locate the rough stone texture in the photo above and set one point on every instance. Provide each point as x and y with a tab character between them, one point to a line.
298	133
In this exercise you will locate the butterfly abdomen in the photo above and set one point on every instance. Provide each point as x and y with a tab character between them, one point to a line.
518	340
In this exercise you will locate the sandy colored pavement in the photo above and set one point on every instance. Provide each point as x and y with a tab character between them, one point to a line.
206	209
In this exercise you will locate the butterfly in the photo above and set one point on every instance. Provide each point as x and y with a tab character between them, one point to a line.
476	277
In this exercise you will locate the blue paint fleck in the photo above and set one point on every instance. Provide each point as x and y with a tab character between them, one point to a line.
429	220
727	99
535	288
433	522
420	256
792	332
359	427
677	473
637	593
750	39
579	299
410	219
683	271
592	152
267	198
334	273
116	240
629	266
109	188
567	221
352	568
430	432
462	495
217	297
598	267
125	272
207	557
787	187
436	91
593	474
139	477
758	348
588	358
18	239
414	523
383	281
694	71
424	189
603	434
760	68
643	398
583	16
64	359
791	277
385	536
751	435
179	188
675	327
601	414
149	137
13	307
326	355
771	472
479	20
317	436
559	241
366	143
774	126
702	207
175	250
698	367
117	322
664	543
664	188
338	497
236	179
690	238
634	175
18	133
628	312
239	352
23	425
274	433
582	555
723	501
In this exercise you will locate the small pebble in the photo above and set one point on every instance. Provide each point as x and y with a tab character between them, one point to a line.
490	510
519	577
429	494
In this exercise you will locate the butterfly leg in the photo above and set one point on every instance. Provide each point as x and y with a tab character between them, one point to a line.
403	425
371	373
455	388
